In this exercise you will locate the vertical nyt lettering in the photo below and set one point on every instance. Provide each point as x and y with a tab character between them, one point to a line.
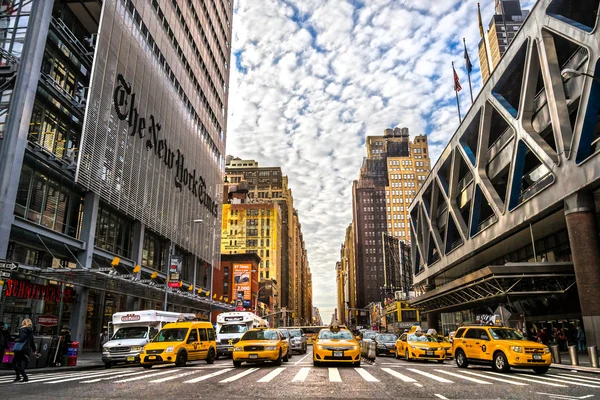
126	110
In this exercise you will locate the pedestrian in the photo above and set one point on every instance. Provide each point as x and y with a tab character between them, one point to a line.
104	338
580	339
4	339
22	348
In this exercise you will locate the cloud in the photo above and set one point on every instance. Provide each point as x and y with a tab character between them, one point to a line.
313	78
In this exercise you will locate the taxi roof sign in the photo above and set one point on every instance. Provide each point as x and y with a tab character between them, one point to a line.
335	328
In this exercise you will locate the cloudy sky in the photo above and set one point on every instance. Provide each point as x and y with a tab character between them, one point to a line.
313	78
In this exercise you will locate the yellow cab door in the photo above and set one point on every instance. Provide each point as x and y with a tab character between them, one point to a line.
472	342
401	344
204	343
485	346
191	345
211	340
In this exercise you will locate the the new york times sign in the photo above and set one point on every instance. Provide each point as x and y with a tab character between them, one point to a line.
149	130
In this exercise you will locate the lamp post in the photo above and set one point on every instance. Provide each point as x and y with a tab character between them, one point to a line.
573	73
195	221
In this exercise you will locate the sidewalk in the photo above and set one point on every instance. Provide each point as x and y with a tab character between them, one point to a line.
86	360
584	363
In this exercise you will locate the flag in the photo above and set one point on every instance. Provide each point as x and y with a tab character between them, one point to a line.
467	59
457	86
481	31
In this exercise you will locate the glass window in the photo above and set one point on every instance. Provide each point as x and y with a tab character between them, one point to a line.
261	335
203	335
211	334
132	332
171	335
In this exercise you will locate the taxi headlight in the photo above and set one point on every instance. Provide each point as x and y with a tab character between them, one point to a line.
355	347
547	350
238	349
136	348
169	349
516	349
270	348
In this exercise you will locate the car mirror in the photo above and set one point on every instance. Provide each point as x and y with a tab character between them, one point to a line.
485	337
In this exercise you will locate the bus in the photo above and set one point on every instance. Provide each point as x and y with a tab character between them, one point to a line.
231	326
311	332
400	316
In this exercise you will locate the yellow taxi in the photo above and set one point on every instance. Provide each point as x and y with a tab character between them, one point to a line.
445	344
417	345
259	345
180	342
499	346
336	344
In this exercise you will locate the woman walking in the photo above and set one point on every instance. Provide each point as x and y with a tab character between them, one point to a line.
23	345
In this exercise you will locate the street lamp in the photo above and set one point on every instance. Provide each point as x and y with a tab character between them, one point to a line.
573	73
191	221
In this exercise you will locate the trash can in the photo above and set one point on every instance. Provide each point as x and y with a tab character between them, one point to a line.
44	350
72	353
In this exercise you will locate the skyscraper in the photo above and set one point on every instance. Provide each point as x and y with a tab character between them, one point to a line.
503	27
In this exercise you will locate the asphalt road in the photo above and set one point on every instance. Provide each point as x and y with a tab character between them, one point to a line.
387	378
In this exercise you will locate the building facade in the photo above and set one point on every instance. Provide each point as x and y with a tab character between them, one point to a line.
113	124
504	25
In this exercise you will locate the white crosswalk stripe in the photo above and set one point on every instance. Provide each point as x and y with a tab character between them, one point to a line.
301	375
495	378
137	378
78	378
564	380
467	378
170	378
526	379
9	379
398	375
366	376
238	376
205	377
125	374
271	375
334	375
44	378
573	376
431	376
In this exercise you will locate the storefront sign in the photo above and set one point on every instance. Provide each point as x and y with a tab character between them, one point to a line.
34	291
47	320
174	272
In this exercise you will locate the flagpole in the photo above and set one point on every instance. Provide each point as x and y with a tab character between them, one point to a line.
469	74
456	93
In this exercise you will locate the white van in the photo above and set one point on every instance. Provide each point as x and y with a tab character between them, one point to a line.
132	331
231	326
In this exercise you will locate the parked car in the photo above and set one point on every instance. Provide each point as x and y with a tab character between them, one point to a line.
298	339
286	336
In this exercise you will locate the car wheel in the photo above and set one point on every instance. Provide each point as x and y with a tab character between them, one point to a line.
357	364
541	370
181	359
237	364
406	356
146	366
500	363
279	359
108	365
287	357
211	357
461	359
397	355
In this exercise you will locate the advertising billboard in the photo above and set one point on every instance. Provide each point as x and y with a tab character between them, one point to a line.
242	281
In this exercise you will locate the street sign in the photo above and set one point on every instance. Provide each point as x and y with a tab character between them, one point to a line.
5	274
9	266
47	320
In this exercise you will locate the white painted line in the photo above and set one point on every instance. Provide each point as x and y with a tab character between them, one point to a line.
417	384
431	376
168	378
238	376
49	377
138	378
116	376
74	378
588	378
398	375
301	375
468	378
439	396
205	377
366	376
564	380
271	375
302	359
334	375
495	379
564	396
512	376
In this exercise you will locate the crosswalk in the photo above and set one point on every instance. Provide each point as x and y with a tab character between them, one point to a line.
412	375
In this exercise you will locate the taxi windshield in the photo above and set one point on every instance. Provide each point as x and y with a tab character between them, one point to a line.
233	328
421	338
260	335
171	335
132	332
327	334
505	334
385	338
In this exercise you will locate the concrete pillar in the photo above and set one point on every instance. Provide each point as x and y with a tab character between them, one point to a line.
79	315
14	142
88	228
138	242
130	303
580	215
433	320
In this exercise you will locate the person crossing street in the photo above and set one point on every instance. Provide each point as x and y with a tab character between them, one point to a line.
22	348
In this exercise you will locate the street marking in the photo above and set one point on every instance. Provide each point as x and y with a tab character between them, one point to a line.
564	396
205	377
439	396
74	378
116	376
238	376
48	377
271	375
417	384
565	381
334	375
300	360
301	375
366	376
137	378
526	379
168	378
398	375
495	379
464	377
575	377
427	374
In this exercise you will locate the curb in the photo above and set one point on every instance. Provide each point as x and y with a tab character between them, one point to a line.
576	368
8	371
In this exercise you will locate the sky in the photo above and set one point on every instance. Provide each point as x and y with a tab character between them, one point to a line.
310	79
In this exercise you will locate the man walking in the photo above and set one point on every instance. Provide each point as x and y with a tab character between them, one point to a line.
580	339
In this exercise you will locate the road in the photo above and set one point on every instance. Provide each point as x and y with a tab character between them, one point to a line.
387	378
